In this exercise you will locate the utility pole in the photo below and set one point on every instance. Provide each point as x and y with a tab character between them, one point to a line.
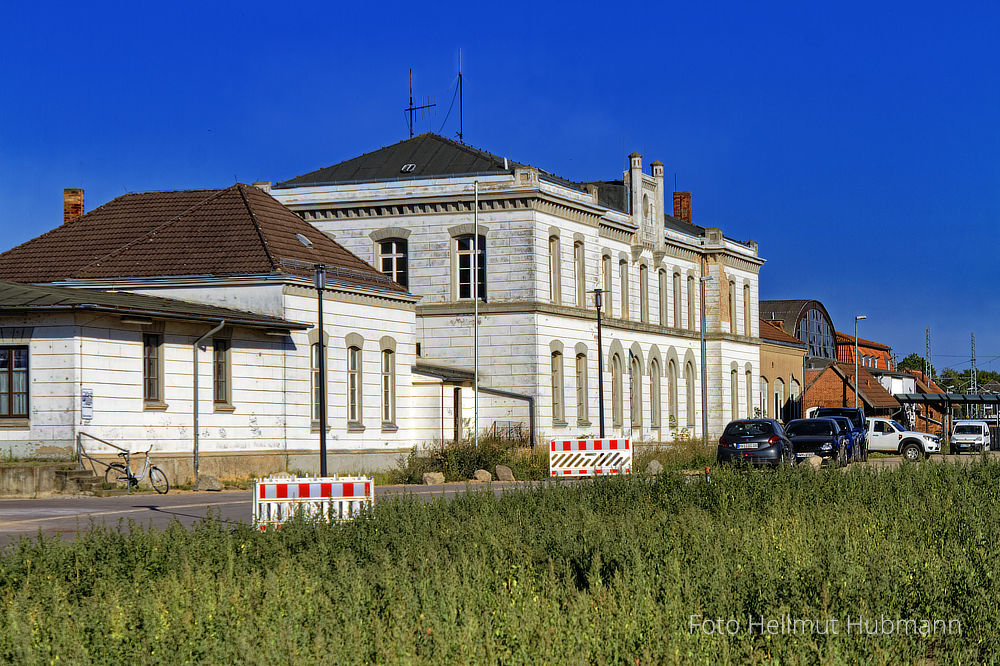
975	379
928	366
461	133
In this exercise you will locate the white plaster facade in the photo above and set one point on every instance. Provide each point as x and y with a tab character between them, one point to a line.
538	303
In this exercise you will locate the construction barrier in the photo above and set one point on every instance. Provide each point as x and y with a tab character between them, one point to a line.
277	499
590	457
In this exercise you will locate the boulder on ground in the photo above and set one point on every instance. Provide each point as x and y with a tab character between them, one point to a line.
504	473
433	478
482	476
814	461
207	482
654	467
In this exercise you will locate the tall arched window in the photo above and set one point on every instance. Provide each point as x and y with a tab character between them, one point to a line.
779	399
606	271
635	392
749	380
734	393
580	273
794	400
689	390
617	410
558	406
555	270
664	308
732	307
354	385
764	413
654	395
678	322
691	303
674	417
582	411
623	277
747	324
643	294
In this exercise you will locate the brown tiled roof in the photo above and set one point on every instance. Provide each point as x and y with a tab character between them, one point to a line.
773	333
844	338
869	388
239	230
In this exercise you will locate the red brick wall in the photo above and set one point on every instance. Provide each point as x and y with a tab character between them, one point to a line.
828	391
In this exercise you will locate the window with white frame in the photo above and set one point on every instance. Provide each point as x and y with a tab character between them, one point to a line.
623	278
674	417
617	411
655	406
582	411
749	381
691	303
555	270
635	392
558	393
221	372
152	369
747	324
317	389
643	294
662	284
354	385
388	387
13	382
465	252
677	301
392	260
732	308
734	395
689	391
580	273
606	271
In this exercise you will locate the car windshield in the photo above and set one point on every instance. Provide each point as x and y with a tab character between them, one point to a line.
853	416
897	426
809	428
748	429
967	430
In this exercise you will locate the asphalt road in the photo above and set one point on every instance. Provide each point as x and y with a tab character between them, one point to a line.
68	515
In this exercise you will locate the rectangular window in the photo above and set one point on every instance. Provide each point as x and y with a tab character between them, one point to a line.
354	385
317	391
152	367
747	329
388	387
606	270
581	274
732	309
465	251
221	371
13	382
558	407
555	270
678	322
691	302
663	298
392	260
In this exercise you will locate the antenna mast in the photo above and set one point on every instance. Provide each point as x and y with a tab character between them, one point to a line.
412	109
461	134
929	367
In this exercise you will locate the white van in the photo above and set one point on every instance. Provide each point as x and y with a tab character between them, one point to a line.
969	435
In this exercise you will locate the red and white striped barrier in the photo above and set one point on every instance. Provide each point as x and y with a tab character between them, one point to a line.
277	499
590	457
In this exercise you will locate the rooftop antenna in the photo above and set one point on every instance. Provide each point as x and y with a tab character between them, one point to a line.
927	356
412	109
461	134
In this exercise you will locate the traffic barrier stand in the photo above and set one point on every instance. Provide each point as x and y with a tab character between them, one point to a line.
277	499
589	457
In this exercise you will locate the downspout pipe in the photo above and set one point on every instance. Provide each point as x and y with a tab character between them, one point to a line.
517	396
199	343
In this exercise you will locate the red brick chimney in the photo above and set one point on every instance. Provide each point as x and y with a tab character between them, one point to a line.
682	206
72	204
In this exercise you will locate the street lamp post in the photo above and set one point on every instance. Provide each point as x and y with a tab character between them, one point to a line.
857	318
598	293
319	276
704	361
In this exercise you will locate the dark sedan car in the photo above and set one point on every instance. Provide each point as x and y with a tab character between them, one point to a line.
853	437
755	442
818	437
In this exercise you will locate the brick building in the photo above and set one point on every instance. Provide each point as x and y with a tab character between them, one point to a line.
833	386
870	354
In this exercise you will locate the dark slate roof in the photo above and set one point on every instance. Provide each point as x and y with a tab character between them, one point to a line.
239	230
430	155
789	311
17	298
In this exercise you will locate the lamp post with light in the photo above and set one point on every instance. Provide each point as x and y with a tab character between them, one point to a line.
319	277
857	318
704	360
598	301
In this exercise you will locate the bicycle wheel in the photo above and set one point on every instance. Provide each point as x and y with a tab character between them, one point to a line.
116	476
158	480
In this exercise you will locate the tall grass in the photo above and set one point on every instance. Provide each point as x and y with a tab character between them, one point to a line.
609	571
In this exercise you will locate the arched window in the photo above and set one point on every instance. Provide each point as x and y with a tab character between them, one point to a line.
606	272
354	385
623	277
664	308
674	417
635	393
555	270
617	411
388	387
779	399
580	272
392	259
734	394
794	400
763	399
749	380
654	395
558	406
582	412
465	251
643	294
747	328
689	389
678	323
691	303
732	307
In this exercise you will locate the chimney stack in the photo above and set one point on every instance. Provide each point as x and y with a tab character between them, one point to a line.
72	204
682	206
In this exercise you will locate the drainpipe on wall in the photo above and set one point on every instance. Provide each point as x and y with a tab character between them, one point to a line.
518	396
199	343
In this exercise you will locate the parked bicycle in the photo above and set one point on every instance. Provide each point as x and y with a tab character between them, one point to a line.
120	474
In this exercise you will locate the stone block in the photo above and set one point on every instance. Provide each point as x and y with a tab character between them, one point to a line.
433	478
504	473
207	482
482	476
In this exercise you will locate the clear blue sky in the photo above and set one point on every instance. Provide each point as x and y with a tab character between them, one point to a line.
858	143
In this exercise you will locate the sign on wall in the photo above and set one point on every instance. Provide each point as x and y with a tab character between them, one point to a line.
86	403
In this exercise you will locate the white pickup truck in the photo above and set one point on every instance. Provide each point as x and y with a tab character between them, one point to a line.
888	436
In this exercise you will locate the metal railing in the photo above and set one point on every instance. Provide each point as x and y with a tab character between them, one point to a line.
81	452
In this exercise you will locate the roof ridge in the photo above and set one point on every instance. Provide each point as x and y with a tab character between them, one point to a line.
155	230
256	224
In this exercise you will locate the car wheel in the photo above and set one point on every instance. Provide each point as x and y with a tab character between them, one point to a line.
911	452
